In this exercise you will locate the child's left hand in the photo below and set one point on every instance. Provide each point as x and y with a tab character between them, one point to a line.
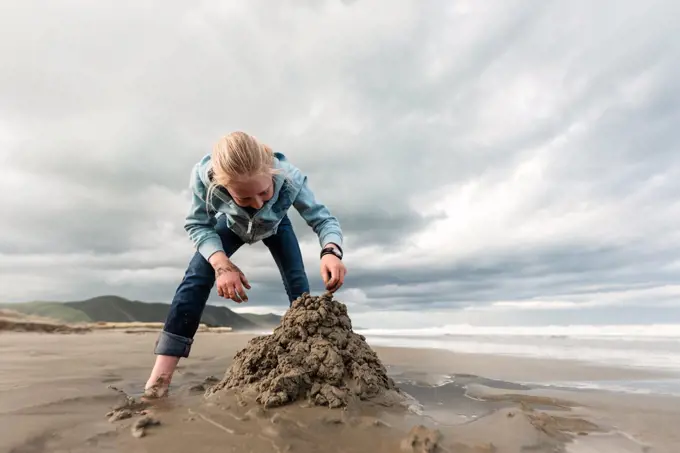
333	272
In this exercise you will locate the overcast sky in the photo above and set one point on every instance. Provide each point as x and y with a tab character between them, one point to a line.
509	162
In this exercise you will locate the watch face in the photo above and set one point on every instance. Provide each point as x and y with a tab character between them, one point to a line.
335	251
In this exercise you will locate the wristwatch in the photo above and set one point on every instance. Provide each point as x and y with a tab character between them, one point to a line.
332	251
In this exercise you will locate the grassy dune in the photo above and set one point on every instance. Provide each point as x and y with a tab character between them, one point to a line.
54	310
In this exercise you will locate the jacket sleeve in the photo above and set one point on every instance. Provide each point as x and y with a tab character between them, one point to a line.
317	216
199	223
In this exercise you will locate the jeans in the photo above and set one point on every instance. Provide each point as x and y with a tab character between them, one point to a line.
192	293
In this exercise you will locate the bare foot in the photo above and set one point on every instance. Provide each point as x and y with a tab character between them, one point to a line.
158	389
161	375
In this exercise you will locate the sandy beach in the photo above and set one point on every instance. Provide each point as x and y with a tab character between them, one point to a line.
55	394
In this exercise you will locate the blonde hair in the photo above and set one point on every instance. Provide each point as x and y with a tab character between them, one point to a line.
238	155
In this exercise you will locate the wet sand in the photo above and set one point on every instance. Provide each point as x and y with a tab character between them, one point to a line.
54	397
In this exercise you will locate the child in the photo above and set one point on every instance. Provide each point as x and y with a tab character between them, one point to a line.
240	194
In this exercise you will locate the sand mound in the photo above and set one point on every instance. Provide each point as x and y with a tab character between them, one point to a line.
314	355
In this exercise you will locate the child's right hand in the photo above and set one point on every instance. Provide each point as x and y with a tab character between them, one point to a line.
230	282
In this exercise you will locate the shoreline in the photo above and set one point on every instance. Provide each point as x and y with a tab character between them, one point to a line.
471	386
507	367
661	355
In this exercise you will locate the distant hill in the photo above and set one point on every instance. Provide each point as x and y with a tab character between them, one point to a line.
119	309
268	320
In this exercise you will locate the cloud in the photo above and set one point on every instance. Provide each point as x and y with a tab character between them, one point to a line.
495	162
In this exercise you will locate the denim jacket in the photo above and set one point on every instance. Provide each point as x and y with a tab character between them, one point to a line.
290	189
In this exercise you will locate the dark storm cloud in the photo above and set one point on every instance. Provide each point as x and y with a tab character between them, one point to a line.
106	108
550	275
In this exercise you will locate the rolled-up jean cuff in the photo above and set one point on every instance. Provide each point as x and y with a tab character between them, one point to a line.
173	345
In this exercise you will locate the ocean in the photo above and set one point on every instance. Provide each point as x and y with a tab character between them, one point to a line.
655	347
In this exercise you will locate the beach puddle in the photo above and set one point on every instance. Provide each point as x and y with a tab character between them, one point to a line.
444	399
